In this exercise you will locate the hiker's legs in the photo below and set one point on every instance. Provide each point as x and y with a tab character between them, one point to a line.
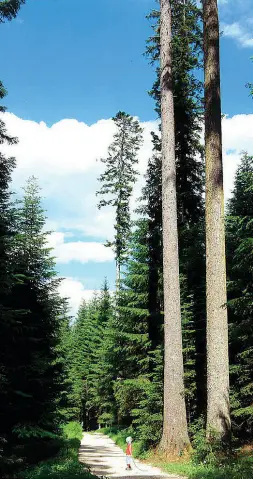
129	462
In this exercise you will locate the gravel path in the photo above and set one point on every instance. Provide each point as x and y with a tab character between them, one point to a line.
106	459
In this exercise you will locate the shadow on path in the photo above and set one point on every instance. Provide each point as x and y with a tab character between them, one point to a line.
101	455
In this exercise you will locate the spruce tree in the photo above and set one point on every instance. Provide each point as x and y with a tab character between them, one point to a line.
82	335
118	179
128	331
91	370
66	407
8	323
240	296
92	347
29	411
103	378
6	223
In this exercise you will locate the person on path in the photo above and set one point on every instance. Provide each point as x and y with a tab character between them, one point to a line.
129	453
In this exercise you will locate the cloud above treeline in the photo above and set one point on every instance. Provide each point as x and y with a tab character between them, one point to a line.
65	159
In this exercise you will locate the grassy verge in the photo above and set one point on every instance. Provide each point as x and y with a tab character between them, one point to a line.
65	465
240	468
237	468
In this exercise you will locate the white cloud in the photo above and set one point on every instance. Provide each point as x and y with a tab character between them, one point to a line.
67	146
236	21
74	290
65	158
81	251
238	32
237	137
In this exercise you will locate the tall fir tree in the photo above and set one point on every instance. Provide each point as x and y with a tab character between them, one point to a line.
175	435
218	411
118	179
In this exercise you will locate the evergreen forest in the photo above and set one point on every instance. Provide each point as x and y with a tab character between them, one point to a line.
165	353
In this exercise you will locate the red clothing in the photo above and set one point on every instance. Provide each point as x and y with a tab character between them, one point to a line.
129	450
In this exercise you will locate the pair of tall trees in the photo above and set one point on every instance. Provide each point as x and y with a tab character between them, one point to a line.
175	435
120	176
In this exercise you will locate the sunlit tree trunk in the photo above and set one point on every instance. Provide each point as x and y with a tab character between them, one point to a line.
218	414
175	436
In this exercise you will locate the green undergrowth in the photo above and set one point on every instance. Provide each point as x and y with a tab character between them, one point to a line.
235	467
65	465
240	468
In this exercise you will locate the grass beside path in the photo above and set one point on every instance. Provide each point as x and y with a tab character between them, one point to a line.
65	465
241	468
237	468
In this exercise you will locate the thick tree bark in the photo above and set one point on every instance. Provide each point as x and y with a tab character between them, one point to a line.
218	414
175	436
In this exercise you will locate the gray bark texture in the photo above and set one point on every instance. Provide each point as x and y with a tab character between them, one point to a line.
175	436
218	411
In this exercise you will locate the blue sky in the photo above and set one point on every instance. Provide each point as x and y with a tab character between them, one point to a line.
69	66
83	59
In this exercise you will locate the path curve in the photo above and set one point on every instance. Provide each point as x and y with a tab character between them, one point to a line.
104	458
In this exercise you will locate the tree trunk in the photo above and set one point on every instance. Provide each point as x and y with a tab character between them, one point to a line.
218	414
175	436
118	275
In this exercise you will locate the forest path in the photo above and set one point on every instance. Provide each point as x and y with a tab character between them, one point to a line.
104	458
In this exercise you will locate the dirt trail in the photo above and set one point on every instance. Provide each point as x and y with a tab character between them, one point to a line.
106	459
